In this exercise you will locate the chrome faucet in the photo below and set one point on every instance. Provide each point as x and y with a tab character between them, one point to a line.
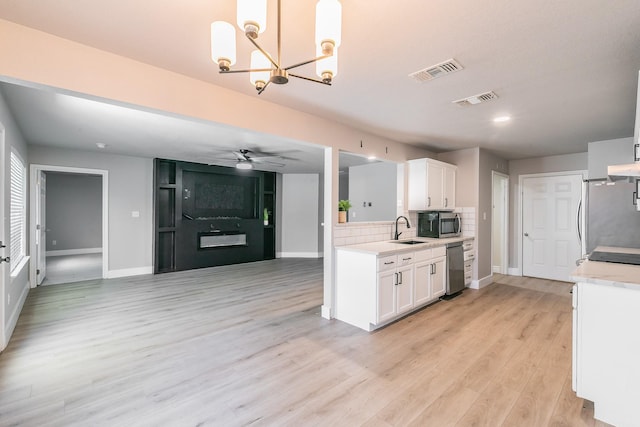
408	226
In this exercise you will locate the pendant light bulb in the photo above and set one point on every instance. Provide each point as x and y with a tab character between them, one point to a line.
252	17
328	25
259	78
223	44
327	68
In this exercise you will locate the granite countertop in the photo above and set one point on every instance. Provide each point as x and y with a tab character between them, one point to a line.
387	247
609	273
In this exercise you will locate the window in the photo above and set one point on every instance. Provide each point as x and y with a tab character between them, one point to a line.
18	211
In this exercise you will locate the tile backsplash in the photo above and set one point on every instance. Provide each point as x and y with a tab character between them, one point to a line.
353	233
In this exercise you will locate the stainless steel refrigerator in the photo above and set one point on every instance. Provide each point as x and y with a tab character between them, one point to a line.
610	217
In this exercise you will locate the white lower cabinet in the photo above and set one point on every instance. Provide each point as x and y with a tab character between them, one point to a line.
372	291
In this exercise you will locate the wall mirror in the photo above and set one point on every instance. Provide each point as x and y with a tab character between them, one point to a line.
372	187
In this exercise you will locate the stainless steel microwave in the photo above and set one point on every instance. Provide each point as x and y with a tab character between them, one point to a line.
439	224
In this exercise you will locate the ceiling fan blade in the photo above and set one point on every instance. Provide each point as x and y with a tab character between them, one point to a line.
310	79
241	154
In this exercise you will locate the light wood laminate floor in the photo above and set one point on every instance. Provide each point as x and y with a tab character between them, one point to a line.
245	345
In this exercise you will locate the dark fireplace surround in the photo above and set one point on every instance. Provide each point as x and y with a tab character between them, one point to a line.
207	216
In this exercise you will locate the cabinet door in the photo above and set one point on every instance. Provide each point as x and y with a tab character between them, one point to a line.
404	289
422	282
386	304
417	184
439	277
435	195
449	187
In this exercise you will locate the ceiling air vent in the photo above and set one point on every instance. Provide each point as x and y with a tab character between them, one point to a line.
442	69
476	99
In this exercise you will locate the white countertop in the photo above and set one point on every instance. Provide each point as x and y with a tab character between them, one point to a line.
388	247
609	273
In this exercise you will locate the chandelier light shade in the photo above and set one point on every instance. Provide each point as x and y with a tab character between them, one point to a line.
266	69
328	28
258	61
223	44
327	68
252	17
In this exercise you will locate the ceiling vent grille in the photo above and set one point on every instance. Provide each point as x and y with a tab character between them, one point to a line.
439	70
476	99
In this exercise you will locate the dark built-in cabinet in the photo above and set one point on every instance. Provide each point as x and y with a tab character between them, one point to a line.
207	216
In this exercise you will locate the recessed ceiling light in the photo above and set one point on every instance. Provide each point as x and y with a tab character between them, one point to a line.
101	145
502	119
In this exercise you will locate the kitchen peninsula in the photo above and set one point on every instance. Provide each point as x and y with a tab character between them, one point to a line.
379	282
606	342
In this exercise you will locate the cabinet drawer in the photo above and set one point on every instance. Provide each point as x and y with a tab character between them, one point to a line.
467	278
468	267
406	259
387	263
469	255
468	245
422	255
439	251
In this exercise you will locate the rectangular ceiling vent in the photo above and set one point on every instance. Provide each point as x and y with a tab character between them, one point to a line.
476	99
442	69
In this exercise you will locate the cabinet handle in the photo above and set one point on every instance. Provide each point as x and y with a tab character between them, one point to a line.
433	269
636	153
446	202
388	262
7	259
396	279
407	259
400	283
428	201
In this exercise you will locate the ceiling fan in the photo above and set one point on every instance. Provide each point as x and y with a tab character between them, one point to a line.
245	158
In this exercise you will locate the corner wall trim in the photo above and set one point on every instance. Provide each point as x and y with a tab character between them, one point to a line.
126	272
481	283
326	312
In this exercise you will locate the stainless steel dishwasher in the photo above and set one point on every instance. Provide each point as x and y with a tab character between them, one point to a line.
455	270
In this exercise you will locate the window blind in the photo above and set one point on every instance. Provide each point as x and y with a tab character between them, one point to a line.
18	211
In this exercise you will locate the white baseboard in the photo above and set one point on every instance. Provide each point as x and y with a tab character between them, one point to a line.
84	251
126	272
481	283
326	312
299	255
496	269
514	272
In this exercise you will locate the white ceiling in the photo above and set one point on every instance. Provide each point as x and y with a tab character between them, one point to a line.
566	71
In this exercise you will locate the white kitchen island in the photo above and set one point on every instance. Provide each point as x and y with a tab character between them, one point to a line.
379	282
606	339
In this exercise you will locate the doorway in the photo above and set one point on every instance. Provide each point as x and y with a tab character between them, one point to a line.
68	224
550	241
500	223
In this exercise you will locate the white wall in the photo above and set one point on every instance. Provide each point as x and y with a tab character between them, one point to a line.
601	154
130	241
73	211
372	192
299	232
13	293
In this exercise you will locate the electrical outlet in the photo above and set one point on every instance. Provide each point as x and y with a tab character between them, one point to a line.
54	242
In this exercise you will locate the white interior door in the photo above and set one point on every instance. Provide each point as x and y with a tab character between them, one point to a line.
41	228
500	223
550	242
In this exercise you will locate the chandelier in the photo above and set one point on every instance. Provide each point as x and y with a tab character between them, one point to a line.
265	69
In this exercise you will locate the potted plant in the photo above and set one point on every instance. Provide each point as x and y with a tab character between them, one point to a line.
265	216
343	207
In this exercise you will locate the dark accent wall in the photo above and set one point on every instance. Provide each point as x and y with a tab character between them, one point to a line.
207	216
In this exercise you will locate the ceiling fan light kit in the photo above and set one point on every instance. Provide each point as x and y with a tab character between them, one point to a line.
265	69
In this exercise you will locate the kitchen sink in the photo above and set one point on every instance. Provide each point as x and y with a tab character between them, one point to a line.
408	242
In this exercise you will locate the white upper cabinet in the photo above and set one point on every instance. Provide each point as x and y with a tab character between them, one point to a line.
432	185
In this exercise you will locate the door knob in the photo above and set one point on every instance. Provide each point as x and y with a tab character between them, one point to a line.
526	234
7	259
